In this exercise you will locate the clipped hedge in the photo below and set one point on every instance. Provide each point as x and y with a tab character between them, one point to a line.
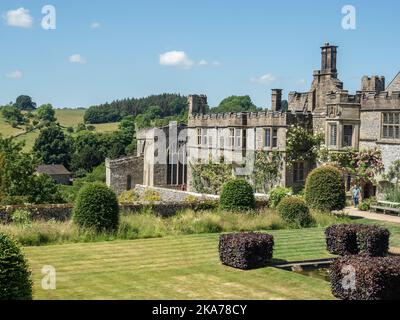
294	211
325	190
15	282
237	195
97	208
246	250
366	278
351	239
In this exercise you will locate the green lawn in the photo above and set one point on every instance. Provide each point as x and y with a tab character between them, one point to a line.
66	118
180	267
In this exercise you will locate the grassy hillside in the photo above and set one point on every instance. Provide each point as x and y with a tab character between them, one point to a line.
66	118
179	267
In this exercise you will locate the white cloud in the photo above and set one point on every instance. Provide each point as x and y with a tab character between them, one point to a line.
95	25
216	63
176	59
16	74
19	18
266	79
77	58
203	63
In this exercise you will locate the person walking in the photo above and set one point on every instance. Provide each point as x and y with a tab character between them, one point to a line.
356	195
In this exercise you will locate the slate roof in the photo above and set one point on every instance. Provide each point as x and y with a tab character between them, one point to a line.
53	169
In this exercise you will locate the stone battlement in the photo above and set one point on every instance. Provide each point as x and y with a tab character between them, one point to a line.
382	100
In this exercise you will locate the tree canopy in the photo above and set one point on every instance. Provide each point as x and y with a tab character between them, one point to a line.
236	104
24	102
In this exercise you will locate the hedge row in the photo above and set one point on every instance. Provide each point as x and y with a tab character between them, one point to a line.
246	250
357	239
366	278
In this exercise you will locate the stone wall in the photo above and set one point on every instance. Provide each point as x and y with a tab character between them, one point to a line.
119	171
59	212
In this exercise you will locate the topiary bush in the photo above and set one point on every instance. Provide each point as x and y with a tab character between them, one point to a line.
276	195
237	195
96	208
294	211
246	250
15	282
366	278
325	189
352	239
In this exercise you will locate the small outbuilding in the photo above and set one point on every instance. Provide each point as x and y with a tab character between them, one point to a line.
58	172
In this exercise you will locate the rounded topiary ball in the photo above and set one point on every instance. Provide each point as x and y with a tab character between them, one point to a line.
294	211
96	208
238	195
325	189
15	282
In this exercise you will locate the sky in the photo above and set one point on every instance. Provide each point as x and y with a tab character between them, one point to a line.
104	50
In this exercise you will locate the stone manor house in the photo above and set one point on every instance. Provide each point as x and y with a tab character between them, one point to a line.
367	119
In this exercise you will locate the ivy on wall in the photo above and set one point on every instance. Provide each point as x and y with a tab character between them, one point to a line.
302	145
267	170
209	177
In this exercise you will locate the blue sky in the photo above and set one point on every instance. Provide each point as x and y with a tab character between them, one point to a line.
104	50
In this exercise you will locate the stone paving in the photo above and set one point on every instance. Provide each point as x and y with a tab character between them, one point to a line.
353	212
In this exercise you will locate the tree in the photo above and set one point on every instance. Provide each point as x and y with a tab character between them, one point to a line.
393	174
17	170
52	147
210	177
127	125
46	113
24	102
302	145
13	115
235	104
267	170
45	190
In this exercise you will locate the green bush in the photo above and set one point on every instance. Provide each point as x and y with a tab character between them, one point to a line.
325	189
96	208
277	194
365	205
238	195
15	282
294	211
21	217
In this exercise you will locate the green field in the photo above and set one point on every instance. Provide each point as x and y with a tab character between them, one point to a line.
180	267
66	118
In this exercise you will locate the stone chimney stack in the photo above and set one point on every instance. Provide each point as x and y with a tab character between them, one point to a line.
329	55
197	104
276	99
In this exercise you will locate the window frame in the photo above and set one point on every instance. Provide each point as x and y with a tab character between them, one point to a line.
390	125
331	126
348	143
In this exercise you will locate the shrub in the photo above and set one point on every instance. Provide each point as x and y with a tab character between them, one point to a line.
21	217
357	239
294	211
15	283
246	250
151	195
129	196
325	189
96	208
277	194
237	195
376	278
365	205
